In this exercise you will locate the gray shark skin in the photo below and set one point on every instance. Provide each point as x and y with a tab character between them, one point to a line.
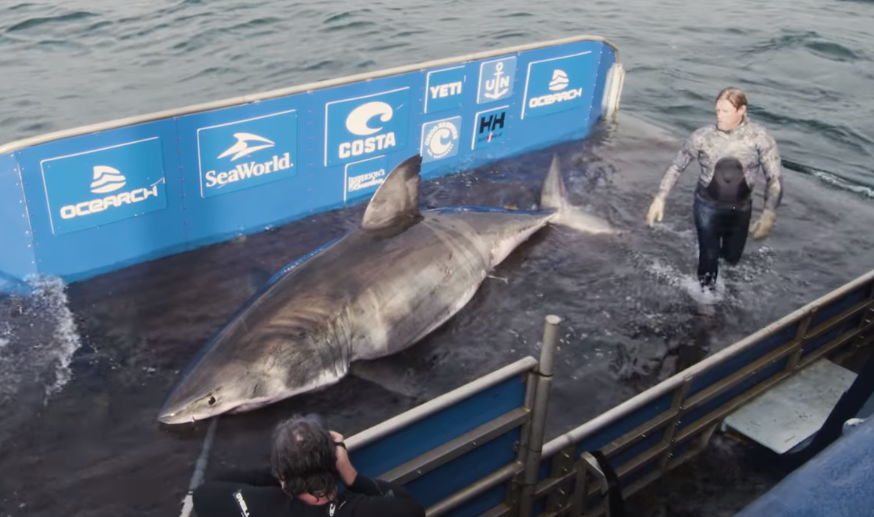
372	293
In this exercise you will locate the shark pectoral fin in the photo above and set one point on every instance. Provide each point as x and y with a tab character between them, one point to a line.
389	373
553	196
396	202
578	219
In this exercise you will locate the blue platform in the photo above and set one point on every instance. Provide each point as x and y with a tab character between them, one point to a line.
837	482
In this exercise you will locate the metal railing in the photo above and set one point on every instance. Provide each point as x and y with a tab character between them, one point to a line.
523	422
641	438
684	410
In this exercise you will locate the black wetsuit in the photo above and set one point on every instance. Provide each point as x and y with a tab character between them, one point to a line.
258	494
722	217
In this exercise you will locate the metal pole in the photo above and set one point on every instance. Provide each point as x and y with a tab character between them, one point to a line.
199	469
538	415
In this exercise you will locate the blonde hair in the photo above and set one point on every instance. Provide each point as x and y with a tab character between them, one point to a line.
735	96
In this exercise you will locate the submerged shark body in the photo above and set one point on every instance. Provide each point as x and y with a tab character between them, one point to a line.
372	293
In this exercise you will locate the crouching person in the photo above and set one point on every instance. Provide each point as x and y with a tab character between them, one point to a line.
308	464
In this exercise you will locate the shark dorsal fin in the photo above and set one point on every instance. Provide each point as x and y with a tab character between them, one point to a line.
396	201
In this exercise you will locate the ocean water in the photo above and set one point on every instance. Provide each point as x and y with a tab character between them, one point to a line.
84	368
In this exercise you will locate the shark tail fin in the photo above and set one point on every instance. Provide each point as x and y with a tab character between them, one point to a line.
553	196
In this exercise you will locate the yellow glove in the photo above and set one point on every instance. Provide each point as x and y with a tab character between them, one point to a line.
764	225
656	210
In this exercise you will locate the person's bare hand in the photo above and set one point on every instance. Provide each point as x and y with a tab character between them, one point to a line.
344	465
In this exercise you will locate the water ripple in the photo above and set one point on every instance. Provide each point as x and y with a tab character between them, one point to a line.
351	25
810	40
60	19
832	50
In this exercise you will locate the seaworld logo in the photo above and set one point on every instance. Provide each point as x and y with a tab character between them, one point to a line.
246	153
243	147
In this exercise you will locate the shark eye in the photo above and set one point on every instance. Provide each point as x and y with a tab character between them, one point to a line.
211	400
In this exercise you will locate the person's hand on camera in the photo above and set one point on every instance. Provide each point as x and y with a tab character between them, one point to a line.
344	465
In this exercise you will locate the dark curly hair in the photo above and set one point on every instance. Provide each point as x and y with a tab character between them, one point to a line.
303	456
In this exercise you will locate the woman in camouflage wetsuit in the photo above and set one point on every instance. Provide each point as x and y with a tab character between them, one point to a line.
730	154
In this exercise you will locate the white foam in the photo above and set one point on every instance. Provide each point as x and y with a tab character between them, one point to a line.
688	283
700	295
39	342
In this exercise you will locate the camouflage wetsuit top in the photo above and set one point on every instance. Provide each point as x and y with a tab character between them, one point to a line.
749	142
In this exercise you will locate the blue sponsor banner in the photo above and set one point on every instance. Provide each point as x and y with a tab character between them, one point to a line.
444	89
441	139
16	239
559	84
105	185
103	200
246	153
364	126
108	197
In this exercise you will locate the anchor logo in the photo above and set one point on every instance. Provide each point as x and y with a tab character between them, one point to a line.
499	84
496	79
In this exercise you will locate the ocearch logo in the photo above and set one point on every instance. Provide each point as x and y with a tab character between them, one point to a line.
558	84
106	179
359	120
559	80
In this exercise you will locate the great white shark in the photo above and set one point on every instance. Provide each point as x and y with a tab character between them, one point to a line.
372	293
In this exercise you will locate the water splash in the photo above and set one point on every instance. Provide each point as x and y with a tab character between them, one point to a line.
38	338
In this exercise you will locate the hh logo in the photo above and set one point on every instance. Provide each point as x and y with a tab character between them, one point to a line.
489	127
557	84
440	139
366	126
496	79
246	153
104	185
